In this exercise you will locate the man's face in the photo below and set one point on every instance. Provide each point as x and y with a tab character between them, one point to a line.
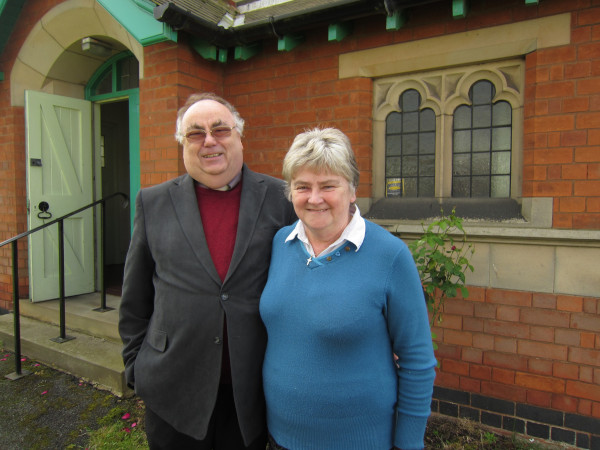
212	161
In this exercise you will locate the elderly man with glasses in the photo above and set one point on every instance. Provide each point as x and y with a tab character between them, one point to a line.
197	264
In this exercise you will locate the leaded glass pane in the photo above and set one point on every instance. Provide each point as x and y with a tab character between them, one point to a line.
393	166
128	70
482	116
461	187
410	133
502	114
426	186
410	187
427	120
481	164
410	100
410	122
410	144
481	140
427	143
482	92
462	117
501	163
461	164
393	145
462	141
501	138
480	186
393	123
501	186
482	144
409	166
104	86
427	165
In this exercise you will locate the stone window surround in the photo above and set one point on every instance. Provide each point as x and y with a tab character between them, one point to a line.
443	91
516	254
482	46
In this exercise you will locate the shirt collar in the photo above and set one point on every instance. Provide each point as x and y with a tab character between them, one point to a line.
229	186
354	232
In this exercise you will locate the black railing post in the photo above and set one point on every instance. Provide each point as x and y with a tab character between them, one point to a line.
17	319
103	307
61	274
61	284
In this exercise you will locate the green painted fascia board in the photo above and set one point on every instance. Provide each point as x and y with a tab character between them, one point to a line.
137	18
9	13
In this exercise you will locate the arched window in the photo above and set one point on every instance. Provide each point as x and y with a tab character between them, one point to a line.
481	145
410	149
120	73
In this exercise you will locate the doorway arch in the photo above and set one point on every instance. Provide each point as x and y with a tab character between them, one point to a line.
51	60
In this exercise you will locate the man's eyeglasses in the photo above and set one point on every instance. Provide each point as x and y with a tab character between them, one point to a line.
198	136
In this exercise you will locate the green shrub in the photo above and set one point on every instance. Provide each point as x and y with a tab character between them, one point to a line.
442	257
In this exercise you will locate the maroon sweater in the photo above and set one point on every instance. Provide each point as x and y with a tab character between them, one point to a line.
219	211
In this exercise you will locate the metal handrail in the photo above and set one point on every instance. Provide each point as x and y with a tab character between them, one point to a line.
61	276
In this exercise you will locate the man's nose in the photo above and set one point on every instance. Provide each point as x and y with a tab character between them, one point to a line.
209	140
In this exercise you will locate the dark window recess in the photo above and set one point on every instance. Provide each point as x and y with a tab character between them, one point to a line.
482	145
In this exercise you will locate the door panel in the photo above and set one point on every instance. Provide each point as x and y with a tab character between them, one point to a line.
59	172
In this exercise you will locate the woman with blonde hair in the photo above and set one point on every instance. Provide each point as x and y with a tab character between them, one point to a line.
343	299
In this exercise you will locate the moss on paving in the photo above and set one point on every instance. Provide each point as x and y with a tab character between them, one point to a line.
51	409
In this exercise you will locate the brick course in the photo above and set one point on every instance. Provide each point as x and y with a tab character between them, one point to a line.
543	356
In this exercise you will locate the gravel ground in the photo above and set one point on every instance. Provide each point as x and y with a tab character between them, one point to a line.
49	409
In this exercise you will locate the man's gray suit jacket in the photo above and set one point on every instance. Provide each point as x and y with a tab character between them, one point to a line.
174	304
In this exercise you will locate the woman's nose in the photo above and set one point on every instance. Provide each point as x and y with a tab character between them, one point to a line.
315	196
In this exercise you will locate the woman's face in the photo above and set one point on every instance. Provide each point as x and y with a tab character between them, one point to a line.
322	202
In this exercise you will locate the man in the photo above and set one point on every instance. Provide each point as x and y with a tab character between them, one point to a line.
197	264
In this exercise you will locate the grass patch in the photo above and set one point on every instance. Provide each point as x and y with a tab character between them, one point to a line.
120	429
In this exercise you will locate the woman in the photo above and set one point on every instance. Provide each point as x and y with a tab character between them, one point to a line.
342	298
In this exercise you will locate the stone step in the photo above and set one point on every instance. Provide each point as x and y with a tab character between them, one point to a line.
80	314
93	355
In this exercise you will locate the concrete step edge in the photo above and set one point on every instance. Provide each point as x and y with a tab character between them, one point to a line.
100	324
90	358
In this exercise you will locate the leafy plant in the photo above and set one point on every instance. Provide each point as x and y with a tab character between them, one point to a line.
442	256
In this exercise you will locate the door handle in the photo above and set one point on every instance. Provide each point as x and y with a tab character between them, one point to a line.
44	213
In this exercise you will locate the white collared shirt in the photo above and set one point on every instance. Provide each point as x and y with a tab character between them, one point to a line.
354	232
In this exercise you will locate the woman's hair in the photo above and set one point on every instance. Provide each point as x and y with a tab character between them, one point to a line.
321	150
195	98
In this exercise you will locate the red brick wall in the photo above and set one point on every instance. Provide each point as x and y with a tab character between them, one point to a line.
539	349
281	94
562	123
13	212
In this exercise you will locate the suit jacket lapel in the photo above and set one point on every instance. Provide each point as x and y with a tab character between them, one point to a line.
253	194
185	203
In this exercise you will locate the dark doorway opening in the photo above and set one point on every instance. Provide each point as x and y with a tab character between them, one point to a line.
114	130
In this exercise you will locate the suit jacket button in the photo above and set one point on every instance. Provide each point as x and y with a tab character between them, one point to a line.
217	340
224	297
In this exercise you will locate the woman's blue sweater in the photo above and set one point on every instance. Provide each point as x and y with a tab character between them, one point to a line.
334	324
